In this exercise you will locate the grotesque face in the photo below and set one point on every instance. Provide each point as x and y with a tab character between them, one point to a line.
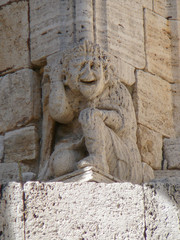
86	76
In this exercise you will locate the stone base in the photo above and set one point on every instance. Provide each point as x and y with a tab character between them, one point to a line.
87	174
160	174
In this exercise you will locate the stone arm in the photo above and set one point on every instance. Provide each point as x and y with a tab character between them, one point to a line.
59	107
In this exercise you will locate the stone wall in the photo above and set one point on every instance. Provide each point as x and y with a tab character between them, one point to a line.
90	211
144	41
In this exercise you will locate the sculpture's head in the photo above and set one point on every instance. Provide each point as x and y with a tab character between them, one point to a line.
85	70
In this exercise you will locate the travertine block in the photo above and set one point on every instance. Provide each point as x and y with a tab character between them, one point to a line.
1	147
14	35
126	72
172	152
176	107
167	174
21	145
19	98
11	212
168	8
120	31
85	210
52	27
162	44
153	103
150	146
162	212
9	172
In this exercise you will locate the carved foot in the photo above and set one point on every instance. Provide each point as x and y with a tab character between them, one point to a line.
93	161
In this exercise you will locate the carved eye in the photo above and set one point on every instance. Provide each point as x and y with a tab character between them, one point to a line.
83	65
92	65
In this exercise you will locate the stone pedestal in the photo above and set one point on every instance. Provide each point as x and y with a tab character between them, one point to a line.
87	174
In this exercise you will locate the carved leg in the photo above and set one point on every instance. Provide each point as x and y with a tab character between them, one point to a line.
96	134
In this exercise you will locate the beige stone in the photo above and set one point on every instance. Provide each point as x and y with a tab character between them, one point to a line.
11	212
160	174
150	146
126	72
162	44
86	210
1	147
9	172
167	8
176	107
19	98
120	31
172	152
153	103
148	173
162	210
52	27
21	145
97	113
14	34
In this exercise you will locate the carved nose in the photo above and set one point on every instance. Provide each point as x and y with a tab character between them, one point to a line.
87	74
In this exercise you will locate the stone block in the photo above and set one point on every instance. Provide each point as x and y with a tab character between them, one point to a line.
162	202
162	42
153	103
1	147
21	145
126	72
161	174
172	152
120	31
83	211
167	8
52	27
176	107
11	212
19	98
9	172
150	146
14	34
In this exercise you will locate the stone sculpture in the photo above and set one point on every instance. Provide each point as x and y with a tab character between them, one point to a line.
94	115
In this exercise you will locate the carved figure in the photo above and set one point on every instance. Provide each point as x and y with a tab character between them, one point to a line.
96	124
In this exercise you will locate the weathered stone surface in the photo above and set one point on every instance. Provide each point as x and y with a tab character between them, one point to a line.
162	44
11	213
87	210
14	35
159	174
162	212
120	31
168	8
9	172
21	145
52	27
172	152
126	72
153	103
150	146
176	107
1	147
20	99
148	173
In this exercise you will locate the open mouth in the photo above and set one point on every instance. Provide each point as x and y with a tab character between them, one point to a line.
91	82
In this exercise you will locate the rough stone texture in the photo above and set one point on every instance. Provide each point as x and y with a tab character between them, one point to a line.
9	172
120	31
153	103
172	152
20	99
176	107
1	147
14	35
52	27
83	211
148	173
11	213
21	145
162	46
167	174
162	204
167	8
150	146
